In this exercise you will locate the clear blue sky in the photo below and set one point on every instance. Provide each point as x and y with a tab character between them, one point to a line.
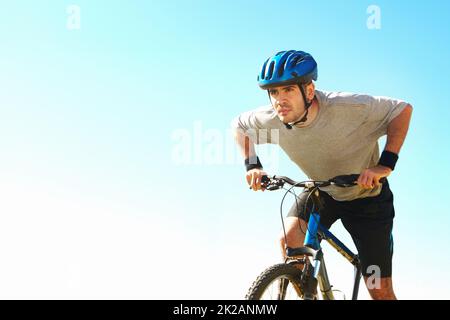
94	203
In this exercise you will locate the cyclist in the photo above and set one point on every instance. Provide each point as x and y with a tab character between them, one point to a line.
327	134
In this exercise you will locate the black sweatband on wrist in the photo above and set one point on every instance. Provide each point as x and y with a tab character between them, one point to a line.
253	163
388	159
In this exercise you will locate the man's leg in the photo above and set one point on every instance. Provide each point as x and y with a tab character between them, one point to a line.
382	291
370	221
375	248
295	229
296	222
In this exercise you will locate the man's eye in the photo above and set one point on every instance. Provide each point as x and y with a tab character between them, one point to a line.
273	92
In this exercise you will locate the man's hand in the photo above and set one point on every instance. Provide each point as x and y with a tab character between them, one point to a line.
370	178
254	179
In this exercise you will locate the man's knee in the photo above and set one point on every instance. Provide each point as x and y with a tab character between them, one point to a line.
295	233
383	290
382	294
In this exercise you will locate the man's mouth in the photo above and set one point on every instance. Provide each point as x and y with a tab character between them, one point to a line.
284	112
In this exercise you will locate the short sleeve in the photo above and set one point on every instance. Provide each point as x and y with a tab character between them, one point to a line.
382	110
258	125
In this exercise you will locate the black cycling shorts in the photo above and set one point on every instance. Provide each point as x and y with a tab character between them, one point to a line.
368	220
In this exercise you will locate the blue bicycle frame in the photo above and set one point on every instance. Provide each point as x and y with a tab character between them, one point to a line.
315	233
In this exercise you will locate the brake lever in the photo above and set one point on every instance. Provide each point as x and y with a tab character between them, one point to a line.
272	184
272	187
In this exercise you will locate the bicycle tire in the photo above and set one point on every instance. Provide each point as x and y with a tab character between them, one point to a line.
272	274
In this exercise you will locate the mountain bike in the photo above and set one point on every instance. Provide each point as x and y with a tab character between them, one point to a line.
304	268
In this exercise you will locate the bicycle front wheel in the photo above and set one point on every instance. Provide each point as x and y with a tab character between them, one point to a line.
279	282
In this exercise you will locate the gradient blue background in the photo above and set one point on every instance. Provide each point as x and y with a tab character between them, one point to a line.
93	203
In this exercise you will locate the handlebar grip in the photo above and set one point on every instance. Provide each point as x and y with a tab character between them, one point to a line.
350	179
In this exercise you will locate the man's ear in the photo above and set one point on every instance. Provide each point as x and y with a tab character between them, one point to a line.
310	90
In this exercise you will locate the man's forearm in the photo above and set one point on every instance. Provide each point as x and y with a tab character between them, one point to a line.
245	144
397	130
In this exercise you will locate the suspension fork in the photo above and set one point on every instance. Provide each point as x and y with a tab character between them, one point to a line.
324	282
315	273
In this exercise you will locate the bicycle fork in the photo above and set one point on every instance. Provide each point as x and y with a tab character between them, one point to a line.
309	283
320	273
315	273
318	276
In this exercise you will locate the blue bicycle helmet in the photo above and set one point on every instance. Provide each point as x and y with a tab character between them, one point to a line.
287	67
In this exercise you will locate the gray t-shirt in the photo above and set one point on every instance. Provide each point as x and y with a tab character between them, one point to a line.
342	139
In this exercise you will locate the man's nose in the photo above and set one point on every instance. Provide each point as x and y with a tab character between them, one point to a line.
281	99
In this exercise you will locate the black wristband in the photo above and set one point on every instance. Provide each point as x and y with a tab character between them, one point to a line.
388	159
253	163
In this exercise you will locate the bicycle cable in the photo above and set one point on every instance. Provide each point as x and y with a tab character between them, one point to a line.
305	207
296	208
281	211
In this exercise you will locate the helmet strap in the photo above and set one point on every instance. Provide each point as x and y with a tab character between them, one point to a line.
307	105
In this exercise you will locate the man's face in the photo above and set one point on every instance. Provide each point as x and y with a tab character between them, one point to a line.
287	102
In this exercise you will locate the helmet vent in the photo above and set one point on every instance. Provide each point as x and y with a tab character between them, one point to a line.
297	60
281	70
269	74
263	71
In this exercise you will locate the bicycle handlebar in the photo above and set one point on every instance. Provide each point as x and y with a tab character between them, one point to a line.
277	182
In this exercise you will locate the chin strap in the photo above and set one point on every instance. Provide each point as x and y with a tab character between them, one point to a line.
307	105
303	119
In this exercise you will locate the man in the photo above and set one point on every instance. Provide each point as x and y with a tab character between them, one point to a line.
330	134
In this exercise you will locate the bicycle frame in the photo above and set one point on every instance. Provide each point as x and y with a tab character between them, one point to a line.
313	249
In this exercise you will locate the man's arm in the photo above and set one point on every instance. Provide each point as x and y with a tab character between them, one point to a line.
245	144
247	148
396	134
250	128
397	130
